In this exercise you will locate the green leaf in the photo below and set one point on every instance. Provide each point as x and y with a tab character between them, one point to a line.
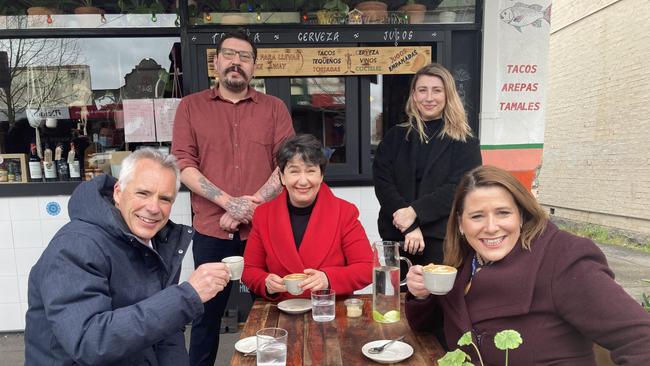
507	339
455	358
466	339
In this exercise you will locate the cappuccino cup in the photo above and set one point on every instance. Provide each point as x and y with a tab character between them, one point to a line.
236	266
439	278
291	282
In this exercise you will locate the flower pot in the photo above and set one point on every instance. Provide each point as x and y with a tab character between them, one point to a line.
447	17
88	10
41	10
373	11
415	12
236	18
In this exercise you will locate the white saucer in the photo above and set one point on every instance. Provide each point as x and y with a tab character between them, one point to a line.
295	306
245	345
396	352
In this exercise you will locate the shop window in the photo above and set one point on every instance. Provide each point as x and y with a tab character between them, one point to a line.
89	14
331	12
318	108
102	94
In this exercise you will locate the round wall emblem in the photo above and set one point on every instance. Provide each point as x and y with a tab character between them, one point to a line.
53	208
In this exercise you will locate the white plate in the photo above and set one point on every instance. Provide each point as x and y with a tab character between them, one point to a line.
396	352
295	306
245	345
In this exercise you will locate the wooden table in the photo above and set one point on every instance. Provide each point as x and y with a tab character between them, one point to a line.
337	342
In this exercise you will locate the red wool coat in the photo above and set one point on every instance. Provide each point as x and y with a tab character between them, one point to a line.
561	296
334	242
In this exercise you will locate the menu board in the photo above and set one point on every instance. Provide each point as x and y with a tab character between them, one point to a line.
336	61
165	111
139	120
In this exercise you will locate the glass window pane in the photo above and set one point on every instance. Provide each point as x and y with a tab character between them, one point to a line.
318	108
74	89
89	14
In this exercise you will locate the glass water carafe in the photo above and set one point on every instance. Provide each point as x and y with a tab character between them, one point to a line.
385	281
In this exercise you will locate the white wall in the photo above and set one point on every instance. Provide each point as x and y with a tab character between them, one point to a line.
26	228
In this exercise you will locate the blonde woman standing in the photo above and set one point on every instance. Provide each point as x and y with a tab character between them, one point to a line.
419	163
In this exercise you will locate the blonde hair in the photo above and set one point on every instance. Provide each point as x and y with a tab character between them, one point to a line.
456	125
533	216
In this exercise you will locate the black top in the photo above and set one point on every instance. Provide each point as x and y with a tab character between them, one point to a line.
299	217
394	175
423	149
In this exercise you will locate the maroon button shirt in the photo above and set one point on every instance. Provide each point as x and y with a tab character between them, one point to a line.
231	144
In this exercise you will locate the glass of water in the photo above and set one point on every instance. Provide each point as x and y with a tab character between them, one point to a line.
323	305
271	347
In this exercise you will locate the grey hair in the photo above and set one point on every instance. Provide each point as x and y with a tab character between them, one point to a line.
129	163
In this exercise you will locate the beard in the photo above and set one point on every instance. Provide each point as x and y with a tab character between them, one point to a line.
235	85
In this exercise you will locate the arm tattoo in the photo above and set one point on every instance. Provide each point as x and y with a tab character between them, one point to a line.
209	190
239	208
271	188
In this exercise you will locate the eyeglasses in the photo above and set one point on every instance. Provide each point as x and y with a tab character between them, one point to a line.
244	56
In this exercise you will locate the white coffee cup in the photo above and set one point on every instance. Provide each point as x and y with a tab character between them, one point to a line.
236	266
291	282
439	278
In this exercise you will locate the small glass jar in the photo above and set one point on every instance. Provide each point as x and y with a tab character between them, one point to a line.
354	307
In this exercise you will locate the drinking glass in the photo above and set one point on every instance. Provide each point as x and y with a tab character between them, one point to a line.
323	305
271	347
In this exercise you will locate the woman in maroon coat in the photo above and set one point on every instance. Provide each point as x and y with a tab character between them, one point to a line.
516	270
306	229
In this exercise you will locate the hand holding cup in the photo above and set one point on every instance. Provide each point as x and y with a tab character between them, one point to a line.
209	279
439	278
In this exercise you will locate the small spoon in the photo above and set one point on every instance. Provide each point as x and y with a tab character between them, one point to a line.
380	349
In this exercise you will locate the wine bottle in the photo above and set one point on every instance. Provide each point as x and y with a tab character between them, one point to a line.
61	163
74	164
35	169
49	167
11	172
4	173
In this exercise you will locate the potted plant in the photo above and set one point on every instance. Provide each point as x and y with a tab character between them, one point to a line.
373	11
504	340
333	12
86	7
414	11
646	302
41	7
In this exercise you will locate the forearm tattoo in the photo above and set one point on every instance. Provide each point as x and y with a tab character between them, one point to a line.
271	188
210	190
239	208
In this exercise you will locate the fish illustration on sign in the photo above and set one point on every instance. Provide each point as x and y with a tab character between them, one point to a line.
521	15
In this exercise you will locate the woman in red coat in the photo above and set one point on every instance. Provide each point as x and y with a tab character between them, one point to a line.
306	229
517	271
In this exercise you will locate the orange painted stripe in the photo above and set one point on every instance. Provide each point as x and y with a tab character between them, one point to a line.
513	160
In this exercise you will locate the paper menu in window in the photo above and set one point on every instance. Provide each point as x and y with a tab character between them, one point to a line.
164	112
139	120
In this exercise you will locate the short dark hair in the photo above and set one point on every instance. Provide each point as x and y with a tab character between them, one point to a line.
238	34
305	146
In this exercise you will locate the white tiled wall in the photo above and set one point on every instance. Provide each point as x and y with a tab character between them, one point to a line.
27	226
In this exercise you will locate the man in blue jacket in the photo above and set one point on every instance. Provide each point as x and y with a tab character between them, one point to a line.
105	290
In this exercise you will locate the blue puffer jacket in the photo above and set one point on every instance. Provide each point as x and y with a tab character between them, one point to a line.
97	296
